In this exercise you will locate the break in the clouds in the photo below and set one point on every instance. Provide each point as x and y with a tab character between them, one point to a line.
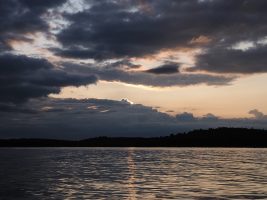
76	119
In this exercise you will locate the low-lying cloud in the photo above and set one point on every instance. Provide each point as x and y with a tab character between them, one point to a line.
148	78
76	119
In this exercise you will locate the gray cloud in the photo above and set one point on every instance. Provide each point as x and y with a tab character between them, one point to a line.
70	118
185	117
258	114
167	68
19	17
115	29
223	60
76	119
24	77
108	73
122	64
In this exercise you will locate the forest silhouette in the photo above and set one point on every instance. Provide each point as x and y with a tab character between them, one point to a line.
219	137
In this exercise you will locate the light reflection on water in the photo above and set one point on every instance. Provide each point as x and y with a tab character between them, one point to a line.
133	173
131	179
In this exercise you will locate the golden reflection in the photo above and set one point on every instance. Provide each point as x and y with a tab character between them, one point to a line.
131	179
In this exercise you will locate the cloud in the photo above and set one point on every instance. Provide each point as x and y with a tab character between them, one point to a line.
167	68
225	60
108	73
120	29
24	77
76	119
185	117
70	118
115	29
122	64
19	17
258	114
189	117
210	117
105	30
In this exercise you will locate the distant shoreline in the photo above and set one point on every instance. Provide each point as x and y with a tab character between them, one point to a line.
219	137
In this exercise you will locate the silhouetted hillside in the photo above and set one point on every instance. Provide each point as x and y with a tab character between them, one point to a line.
220	137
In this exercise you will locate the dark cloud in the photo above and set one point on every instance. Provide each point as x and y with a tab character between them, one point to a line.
110	29
76	119
126	29
122	64
116	30
70	118
108	73
77	53
258	114
40	5
185	117
23	16
210	117
167	68
225	60
22	77
189	117
13	108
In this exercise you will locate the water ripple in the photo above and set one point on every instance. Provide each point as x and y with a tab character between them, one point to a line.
133	173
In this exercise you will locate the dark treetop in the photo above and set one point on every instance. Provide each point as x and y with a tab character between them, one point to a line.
220	137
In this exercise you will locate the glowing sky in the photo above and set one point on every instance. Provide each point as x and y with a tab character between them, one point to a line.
172	57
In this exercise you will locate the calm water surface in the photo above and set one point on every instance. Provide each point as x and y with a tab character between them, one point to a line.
133	173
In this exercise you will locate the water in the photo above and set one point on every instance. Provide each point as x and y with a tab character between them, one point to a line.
133	173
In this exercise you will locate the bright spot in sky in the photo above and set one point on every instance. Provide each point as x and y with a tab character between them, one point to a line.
244	45
127	101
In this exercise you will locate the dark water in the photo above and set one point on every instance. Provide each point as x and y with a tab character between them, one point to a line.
133	173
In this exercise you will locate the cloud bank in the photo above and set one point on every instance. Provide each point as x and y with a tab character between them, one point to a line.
76	119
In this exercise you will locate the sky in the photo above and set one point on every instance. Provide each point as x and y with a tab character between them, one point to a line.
76	69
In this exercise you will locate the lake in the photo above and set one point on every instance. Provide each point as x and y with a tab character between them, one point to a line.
133	173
